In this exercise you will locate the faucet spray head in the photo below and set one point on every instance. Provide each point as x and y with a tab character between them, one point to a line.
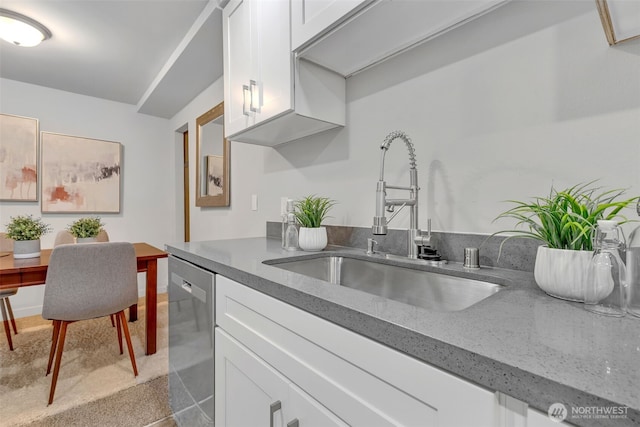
379	225
380	221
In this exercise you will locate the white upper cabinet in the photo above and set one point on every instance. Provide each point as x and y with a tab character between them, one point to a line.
257	62
312	17
369	32
270	97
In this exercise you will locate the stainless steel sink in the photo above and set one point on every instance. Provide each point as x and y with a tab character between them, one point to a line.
412	286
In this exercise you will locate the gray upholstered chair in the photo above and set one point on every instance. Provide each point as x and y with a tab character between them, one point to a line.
85	282
63	238
102	236
6	245
7	314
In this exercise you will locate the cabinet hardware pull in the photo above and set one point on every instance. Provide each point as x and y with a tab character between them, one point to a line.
293	423
245	92
275	407
253	86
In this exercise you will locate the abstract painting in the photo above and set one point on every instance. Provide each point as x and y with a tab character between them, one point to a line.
215	169
18	158
80	174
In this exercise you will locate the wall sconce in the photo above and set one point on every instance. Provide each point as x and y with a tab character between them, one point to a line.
620	19
21	30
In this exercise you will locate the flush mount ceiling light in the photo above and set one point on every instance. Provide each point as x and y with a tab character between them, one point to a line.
620	19
21	30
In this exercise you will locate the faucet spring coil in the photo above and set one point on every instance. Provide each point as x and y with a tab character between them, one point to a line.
399	134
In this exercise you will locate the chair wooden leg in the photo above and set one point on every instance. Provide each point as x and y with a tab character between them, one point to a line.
113	325
13	320
54	342
56	368
5	322
119	327
132	356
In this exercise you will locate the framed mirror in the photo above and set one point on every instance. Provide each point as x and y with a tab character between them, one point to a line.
620	19
212	159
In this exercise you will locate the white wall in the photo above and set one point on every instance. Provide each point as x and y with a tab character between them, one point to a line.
499	109
247	171
147	205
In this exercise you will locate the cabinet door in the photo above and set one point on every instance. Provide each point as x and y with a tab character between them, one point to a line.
536	418
238	63
309	412
309	18
272	58
247	389
251	393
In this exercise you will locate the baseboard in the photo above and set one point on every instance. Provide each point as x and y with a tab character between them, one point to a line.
36	310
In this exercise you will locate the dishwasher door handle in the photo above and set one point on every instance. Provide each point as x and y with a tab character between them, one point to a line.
197	292
186	286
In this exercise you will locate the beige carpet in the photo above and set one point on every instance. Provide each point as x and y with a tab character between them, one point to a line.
92	368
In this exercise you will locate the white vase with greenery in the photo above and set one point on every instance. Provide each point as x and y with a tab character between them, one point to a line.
564	221
26	231
310	212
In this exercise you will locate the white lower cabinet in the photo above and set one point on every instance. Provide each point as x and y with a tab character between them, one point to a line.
338	374
536	418
268	351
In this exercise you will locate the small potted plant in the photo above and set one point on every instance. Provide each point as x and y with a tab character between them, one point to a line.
25	231
85	229
310	212
564	222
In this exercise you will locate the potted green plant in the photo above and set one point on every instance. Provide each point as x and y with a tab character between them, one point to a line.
564	222
26	231
310	212
85	229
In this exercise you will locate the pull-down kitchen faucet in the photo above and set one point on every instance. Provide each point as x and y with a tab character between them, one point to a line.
415	237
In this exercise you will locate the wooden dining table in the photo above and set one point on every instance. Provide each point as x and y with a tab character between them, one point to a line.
16	273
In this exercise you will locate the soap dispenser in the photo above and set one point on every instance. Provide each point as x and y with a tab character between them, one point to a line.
606	290
288	208
291	233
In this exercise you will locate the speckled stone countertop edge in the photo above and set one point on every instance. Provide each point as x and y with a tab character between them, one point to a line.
538	389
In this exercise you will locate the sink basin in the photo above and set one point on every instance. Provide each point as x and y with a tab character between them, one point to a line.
420	288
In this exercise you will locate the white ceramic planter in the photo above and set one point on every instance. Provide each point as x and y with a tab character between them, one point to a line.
312	239
86	239
26	249
562	273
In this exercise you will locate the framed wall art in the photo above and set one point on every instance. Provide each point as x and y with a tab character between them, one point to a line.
80	174
18	158
215	175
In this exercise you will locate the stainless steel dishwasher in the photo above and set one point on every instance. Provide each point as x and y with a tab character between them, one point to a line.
191	344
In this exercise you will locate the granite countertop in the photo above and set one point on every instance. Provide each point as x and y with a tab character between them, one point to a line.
519	341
